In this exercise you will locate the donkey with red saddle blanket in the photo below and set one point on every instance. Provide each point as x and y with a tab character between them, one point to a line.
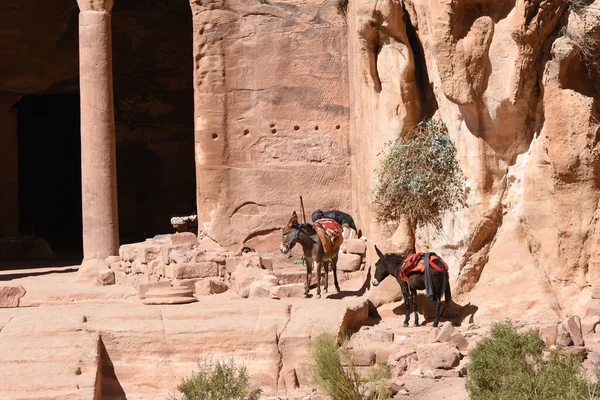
417	271
320	243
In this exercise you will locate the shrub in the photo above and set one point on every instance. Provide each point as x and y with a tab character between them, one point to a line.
419	177
510	365
264	2
328	373
378	380
218	381
578	6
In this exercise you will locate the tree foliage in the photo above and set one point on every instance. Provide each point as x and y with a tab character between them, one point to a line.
419	177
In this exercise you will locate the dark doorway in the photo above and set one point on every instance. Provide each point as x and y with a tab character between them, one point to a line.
50	170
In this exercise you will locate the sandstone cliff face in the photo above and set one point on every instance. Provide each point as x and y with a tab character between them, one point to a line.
521	106
271	116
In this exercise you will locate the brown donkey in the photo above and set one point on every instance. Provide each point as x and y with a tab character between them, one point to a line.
307	236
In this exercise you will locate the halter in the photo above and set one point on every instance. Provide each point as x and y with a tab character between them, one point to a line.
294	240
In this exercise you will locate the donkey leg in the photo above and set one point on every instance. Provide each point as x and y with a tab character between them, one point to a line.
414	297
309	266
334	269
326	278
318	267
406	296
436	320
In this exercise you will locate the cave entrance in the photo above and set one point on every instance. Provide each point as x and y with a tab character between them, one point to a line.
48	130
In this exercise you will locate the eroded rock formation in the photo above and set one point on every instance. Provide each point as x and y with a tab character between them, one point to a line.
520	101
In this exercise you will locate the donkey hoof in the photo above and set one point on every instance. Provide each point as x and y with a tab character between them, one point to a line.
416	324
325	291
318	296
435	324
405	324
337	289
306	295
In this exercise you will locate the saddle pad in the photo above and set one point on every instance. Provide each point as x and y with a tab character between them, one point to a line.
415	263
330	233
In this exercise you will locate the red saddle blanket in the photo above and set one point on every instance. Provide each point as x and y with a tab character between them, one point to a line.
415	264
330	233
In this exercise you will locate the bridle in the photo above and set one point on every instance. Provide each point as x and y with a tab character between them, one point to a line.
294	240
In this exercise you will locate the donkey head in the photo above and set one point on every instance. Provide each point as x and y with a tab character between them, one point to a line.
288	234
385	266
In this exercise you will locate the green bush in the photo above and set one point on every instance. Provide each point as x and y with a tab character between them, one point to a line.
328	372
218	381
419	177
510	365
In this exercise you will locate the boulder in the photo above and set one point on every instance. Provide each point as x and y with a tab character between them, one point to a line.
242	278
210	286
386	292
260	289
348	262
289	290
355	246
564	338
573	326
373	335
437	356
445	332
459	341
10	295
549	334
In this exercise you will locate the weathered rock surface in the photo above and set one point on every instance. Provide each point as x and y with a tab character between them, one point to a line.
210	286
10	295
437	355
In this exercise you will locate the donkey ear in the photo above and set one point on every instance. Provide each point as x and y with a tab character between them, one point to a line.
294	219
379	253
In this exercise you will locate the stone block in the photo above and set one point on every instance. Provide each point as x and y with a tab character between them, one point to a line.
169	271
348	262
210	286
267	263
105	277
373	335
10	295
460	342
232	262
287	291
437	355
146	253
196	270
180	256
445	333
127	252
355	246
242	278
260	289
564	338
184	238
364	356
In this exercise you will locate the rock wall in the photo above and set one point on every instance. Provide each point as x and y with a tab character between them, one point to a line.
521	106
271	116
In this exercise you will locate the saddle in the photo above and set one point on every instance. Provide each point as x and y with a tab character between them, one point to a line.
330	233
415	264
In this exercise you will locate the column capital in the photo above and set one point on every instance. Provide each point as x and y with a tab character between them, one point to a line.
95	5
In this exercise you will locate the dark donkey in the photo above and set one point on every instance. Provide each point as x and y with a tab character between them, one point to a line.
314	253
391	263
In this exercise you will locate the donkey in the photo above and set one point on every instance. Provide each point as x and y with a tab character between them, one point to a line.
307	236
390	264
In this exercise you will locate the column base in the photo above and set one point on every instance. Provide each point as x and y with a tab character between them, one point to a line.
96	272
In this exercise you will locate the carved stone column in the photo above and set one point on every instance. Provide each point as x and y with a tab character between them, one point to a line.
98	155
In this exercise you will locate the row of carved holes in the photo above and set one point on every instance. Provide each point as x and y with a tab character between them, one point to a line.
273	130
